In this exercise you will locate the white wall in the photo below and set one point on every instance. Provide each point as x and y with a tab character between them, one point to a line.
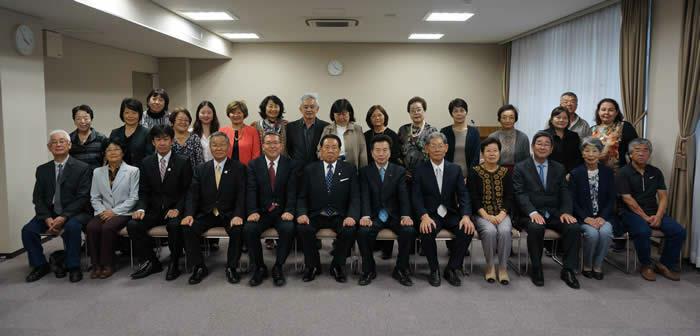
92	74
23	125
662	127
386	74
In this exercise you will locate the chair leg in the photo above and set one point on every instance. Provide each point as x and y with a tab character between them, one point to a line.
131	253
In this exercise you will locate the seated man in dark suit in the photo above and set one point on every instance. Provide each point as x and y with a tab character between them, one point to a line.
329	198
165	178
61	193
216	198
542	193
441	201
385	204
271	202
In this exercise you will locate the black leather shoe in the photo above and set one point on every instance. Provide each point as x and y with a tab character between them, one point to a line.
232	275
310	273
198	274
338	273
75	275
278	276
570	278
60	271
366	278
402	277
537	277
38	273
386	254
147	268
173	271
452	277
259	275
587	274
597	275
434	278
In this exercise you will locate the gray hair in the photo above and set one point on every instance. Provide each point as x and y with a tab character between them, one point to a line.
436	135
309	95
591	141
61	132
219	134
639	142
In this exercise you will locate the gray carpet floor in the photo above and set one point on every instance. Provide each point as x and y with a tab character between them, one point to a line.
621	304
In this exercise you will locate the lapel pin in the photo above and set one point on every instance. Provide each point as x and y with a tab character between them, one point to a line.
168	169
225	171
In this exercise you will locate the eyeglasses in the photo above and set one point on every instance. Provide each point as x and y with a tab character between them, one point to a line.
58	142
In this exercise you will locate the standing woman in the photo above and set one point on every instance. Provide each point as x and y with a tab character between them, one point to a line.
157	112
86	143
185	143
566	142
462	139
207	123
353	148
491	191
593	194
614	132
245	141
515	146
414	136
272	114
132	135
114	193
377	120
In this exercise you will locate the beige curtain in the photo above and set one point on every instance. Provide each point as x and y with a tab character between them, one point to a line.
681	199
633	55
505	89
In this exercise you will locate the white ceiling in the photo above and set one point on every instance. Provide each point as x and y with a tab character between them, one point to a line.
381	20
388	21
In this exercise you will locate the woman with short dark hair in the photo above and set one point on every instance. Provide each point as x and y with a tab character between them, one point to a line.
86	142
515	145
272	120
185	143
462	139
566	142
157	103
133	135
377	120
353	148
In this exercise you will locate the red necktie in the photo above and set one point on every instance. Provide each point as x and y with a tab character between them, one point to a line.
271	172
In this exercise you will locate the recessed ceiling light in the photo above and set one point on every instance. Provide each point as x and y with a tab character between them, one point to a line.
209	16
437	16
425	36
241	36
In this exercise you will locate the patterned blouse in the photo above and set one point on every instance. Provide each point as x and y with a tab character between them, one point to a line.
593	180
492	191
413	140
192	149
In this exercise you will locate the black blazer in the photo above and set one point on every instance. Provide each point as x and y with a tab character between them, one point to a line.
566	151
229	199
391	195
138	145
260	194
581	193
395	145
75	182
471	148
344	196
295	140
426	196
156	196
531	195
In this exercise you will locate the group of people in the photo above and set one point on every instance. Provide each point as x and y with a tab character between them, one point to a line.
302	176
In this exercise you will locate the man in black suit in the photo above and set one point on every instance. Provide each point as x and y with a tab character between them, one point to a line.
165	178
61	193
216	198
271	202
329	198
441	201
303	135
541	192
385	204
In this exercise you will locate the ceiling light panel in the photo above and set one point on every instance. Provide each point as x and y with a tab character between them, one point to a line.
209	16
431	36
449	17
241	36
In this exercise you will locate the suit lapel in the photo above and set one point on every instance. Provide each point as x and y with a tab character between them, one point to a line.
168	169
118	178
65	172
533	170
265	170
550	174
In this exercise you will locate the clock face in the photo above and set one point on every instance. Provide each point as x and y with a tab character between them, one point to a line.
335	68
24	40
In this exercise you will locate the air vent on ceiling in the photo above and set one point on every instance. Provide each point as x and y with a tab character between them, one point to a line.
332	23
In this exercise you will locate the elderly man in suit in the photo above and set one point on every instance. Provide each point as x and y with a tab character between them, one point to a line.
303	135
329	198
542	193
385	204
271	202
216	198
441	201
61	193
165	178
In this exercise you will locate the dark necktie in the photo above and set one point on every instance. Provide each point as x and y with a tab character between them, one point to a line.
235	146
271	172
57	206
329	178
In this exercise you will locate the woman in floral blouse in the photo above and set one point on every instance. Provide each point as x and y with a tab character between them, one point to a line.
414	136
185	143
614	132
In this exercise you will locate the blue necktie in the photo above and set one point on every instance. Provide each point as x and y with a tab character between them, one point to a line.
329	178
540	168
383	215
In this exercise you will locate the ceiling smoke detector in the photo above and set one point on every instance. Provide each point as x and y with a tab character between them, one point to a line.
332	23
